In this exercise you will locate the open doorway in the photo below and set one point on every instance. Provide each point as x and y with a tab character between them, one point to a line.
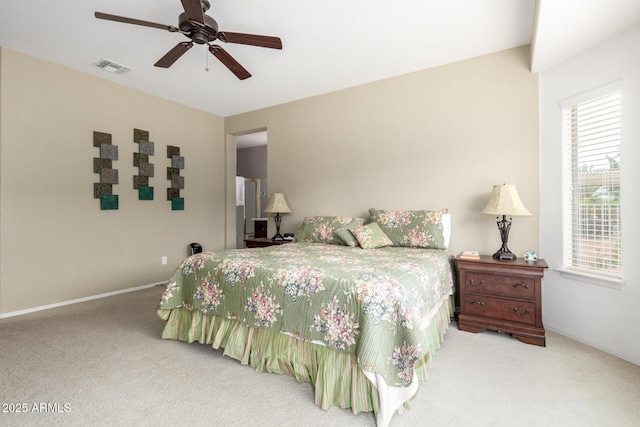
252	183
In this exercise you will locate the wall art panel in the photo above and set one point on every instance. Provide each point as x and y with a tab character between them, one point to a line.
173	175
103	166
145	167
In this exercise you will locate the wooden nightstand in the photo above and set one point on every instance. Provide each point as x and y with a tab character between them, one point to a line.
261	242
502	296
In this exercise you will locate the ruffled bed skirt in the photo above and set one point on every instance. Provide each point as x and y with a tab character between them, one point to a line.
337	379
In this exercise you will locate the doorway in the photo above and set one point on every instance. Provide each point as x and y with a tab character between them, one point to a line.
251	169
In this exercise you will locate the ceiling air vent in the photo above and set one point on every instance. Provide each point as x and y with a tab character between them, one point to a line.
112	67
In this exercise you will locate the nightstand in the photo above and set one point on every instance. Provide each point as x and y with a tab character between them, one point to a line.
261	242
503	296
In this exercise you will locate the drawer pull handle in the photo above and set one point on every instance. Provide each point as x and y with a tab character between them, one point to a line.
515	285
476	284
480	303
515	310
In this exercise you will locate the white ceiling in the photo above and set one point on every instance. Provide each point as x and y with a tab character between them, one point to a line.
327	45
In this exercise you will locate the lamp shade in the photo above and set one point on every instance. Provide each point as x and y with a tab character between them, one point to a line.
505	201
277	204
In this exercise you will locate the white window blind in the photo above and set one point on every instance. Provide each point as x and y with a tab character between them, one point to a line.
591	224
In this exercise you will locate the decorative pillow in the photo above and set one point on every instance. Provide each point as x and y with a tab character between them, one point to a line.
371	236
415	229
321	228
346	236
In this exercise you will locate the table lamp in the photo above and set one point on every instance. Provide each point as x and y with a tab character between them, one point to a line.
506	202
277	204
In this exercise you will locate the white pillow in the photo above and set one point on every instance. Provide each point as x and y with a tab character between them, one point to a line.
446	232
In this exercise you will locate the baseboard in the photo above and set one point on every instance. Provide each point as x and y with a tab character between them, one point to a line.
628	358
75	301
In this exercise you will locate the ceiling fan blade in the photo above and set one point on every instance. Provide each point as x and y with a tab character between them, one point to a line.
173	55
126	20
251	39
228	61
193	10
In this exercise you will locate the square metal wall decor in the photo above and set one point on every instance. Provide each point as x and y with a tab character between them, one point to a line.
108	202
145	193
103	166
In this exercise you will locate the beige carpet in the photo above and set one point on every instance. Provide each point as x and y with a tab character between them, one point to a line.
102	363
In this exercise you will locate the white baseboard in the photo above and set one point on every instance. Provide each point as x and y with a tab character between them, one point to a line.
590	343
75	301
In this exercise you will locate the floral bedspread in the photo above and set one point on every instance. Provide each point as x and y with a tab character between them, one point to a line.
372	303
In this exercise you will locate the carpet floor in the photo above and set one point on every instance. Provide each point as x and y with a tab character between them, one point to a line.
102	362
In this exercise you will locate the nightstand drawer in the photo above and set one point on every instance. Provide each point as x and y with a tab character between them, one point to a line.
505	286
503	309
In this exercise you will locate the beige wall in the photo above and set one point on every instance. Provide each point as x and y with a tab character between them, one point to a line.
432	139
55	242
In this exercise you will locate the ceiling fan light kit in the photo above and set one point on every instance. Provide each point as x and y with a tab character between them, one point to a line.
201	29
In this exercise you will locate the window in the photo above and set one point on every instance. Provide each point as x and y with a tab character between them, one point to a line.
591	197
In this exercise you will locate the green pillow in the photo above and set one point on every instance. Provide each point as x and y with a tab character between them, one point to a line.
321	228
346	236
371	236
415	229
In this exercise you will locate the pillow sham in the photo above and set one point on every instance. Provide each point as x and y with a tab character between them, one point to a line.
321	228
371	236
415	229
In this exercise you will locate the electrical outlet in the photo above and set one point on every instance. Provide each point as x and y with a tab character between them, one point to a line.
164	260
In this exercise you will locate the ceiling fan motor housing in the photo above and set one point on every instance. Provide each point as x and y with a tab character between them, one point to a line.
198	33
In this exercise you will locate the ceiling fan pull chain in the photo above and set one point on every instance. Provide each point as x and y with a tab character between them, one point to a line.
206	55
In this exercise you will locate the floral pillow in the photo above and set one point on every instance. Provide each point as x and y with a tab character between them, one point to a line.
322	229
416	229
371	236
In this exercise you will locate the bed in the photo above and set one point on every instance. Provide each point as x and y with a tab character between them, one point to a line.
354	307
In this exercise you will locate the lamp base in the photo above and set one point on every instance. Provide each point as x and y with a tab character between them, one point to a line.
278	237
505	256
504	253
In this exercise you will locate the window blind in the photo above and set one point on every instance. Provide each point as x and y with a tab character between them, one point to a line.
592	165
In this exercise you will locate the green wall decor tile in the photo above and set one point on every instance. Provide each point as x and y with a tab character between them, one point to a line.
145	193
177	204
109	202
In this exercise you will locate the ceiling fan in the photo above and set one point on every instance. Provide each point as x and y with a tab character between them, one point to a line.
201	29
